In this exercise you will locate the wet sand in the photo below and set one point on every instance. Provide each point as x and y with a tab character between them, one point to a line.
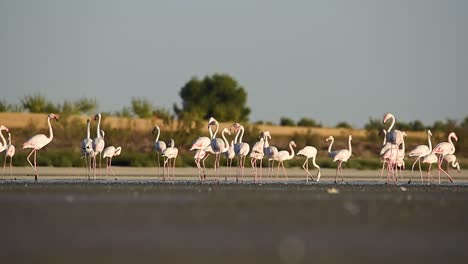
68	219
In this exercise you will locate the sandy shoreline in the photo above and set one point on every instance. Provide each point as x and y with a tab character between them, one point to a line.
191	174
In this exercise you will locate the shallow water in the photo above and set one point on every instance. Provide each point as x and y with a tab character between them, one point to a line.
76	221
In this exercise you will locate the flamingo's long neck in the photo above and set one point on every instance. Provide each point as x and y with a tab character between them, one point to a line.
403	146
392	124
226	143
172	143
216	131
88	132
265	142
450	140
292	150
51	133
9	139
331	144
241	133
98	128
384	138
351	149
157	137
429	141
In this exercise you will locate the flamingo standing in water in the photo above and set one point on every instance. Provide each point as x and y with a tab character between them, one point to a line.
9	152
339	155
394	158
98	144
271	152
257	154
452	160
240	148
430	159
38	141
230	154
394	137
109	153
159	146
200	156
444	149
170	153
420	152
87	147
284	155
310	153
218	145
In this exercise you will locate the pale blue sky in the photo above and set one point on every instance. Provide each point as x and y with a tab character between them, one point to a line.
332	60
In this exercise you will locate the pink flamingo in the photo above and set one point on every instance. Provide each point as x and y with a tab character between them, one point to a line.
109	153
98	144
159	146
395	159
38	141
419	152
3	144
339	155
271	152
240	148
217	144
200	156
452	160
283	156
87	147
310	153
430	159
257	154
444	149
229	154
9	152
170	153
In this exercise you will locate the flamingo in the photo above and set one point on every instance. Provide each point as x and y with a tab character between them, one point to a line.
452	160
240	148
169	153
419	152
109	153
430	159
159	146
217	144
98	144
271	152
395	158
3	144
392	137
38	141
230	154
87	146
9	152
257	154
339	155
200	156
444	149
309	152
283	156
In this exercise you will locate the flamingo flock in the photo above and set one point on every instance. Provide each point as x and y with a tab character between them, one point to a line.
392	152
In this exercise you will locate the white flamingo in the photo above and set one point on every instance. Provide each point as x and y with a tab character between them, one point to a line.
38	141
218	145
430	159
394	158
284	155
419	152
310	153
241	149
271	152
3	144
9	152
230	154
443	149
339	155
451	159
87	147
200	156
98	145
109	153
257	154
159	145
394	137
170	153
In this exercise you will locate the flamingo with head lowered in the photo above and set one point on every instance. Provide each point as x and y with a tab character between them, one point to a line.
310	153
38	141
339	155
108	154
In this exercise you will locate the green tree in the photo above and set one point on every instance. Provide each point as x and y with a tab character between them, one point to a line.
38	104
308	122
286	121
142	107
343	124
219	96
373	124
